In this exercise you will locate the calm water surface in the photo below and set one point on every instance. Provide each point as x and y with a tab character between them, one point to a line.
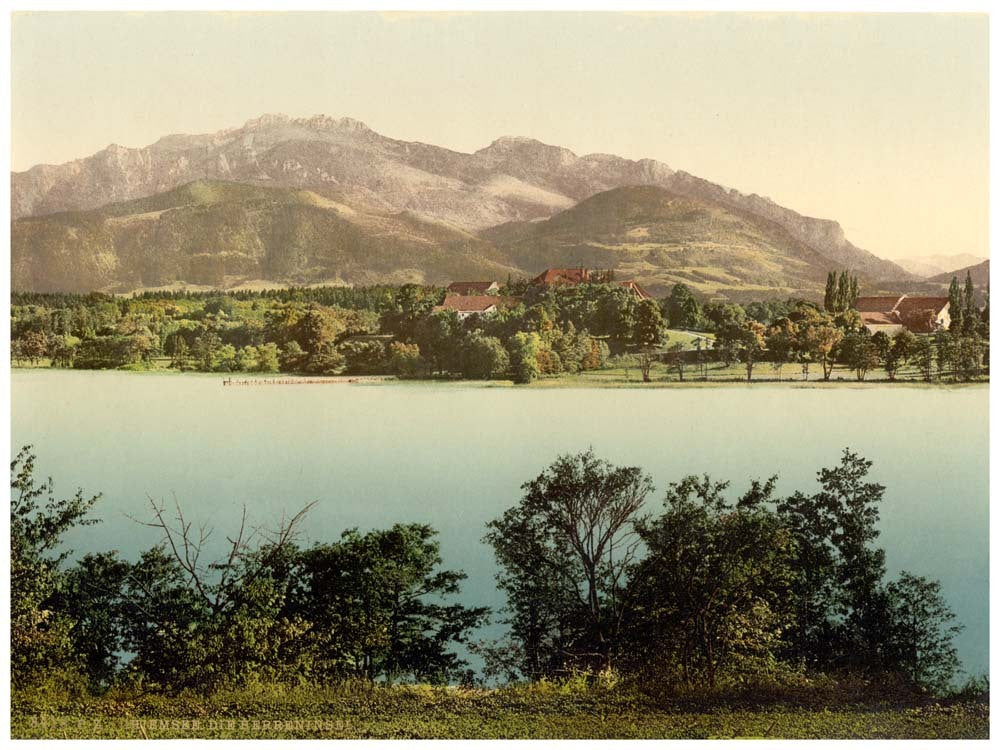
455	456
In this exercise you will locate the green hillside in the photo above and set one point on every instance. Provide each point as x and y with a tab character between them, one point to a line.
222	233
659	238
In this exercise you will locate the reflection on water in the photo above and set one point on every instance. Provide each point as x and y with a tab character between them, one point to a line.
455	456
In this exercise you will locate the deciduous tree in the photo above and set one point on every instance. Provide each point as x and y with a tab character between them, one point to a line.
712	591
571	539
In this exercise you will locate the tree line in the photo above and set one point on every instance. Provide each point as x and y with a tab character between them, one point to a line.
537	332
797	332
712	588
365	606
319	331
713	585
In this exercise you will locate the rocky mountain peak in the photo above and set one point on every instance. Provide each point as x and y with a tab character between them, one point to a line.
509	143
515	178
266	121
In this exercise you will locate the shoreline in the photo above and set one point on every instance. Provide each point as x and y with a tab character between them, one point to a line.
568	382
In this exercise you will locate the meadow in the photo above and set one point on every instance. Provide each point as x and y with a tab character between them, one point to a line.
542	710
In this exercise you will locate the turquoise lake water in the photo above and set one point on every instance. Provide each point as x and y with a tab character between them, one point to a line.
454	456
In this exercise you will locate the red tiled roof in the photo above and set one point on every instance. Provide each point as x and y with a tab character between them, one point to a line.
468	303
470	287
913	304
563	276
879	319
877	304
917	314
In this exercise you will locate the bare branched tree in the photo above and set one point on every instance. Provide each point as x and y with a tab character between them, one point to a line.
249	553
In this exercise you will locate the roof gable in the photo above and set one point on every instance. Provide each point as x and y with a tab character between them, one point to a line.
912	304
877	304
472	287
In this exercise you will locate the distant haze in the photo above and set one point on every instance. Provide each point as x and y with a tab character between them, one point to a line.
934	265
877	121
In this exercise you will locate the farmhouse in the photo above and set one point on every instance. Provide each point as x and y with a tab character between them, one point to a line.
892	314
466	304
474	287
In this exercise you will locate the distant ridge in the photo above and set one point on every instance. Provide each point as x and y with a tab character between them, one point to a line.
980	274
928	266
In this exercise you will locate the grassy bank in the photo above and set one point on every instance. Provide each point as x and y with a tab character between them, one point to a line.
660	376
537	711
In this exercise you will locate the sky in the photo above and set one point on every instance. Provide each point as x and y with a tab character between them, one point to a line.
878	121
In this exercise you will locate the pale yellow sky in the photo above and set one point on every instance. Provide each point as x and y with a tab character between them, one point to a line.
876	121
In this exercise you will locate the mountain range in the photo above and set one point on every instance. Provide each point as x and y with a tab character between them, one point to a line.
312	200
927	266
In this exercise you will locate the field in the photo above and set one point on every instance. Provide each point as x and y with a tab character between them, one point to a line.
538	711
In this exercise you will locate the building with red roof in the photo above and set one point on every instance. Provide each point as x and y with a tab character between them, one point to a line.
893	314
557	276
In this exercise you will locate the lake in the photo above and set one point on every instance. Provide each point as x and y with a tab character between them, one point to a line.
455	455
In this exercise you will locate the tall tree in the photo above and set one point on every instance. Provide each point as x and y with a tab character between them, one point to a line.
781	343
820	340
483	357
438	336
574	529
923	357
40	633
92	591
840	606
921	633
745	341
523	350
956	308
712	591
843	291
902	347
683	310
379	604
411	304
647	334
970	315
830	296
861	353
944	351
648	330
